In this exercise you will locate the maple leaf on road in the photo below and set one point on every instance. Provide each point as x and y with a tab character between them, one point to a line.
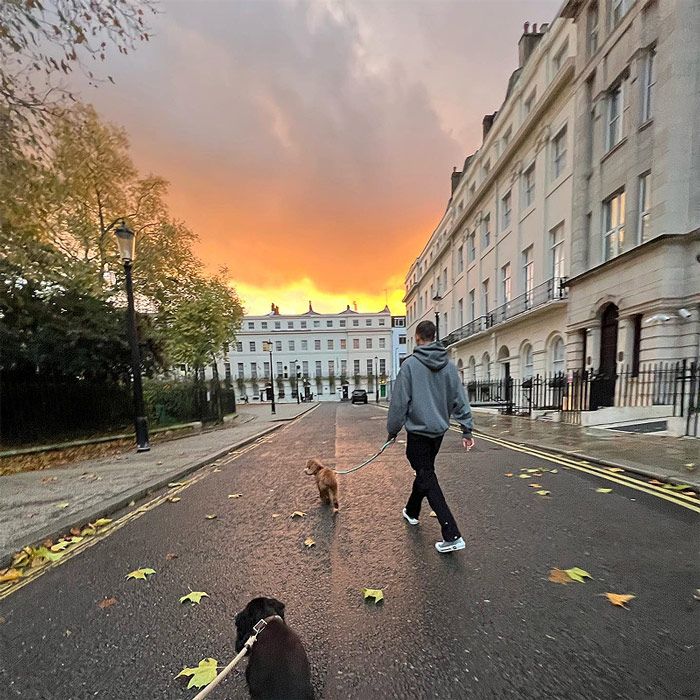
375	594
194	597
140	574
309	542
201	675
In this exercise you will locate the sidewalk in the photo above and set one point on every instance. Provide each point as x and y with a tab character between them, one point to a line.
43	504
659	457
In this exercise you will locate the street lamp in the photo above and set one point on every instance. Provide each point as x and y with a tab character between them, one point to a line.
127	248
272	379
296	378
437	299
376	380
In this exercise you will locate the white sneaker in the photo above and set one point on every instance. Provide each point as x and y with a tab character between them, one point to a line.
411	521
452	546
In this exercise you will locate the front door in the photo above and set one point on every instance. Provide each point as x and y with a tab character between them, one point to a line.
607	372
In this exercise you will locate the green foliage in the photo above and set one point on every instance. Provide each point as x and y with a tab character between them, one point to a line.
173	401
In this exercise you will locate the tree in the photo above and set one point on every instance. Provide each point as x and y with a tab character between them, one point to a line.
207	316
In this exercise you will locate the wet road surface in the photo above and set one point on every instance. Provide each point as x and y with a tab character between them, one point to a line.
483	623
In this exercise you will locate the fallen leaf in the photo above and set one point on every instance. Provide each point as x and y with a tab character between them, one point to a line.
48	554
619	599
508	474
559	576
601	490
614	470
309	542
49	479
375	594
158	463
655	482
170	556
235	495
101	522
553	471
690	466
433	514
577	574
62	505
275	515
194	597
106	603
677	487
175	484
211	516
298	514
89	530
689	493
75	531
543	492
2	620
533	471
523	476
59	546
535	486
173	499
201	675
216	470
10	575
132	503
140	574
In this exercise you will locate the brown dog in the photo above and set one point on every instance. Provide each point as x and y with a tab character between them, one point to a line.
326	482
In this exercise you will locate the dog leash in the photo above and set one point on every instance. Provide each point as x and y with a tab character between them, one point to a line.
259	627
366	462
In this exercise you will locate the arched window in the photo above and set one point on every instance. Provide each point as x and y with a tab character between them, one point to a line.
486	366
471	369
557	357
528	363
460	369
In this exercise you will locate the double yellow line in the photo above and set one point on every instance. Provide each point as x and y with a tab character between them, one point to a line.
677	498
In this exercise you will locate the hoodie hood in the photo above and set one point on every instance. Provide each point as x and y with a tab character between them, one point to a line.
433	355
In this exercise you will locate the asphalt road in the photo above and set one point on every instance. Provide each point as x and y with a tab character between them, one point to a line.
484	622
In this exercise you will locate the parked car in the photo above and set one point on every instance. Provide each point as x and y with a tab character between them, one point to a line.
359	396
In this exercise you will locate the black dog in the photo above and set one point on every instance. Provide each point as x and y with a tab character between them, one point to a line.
278	668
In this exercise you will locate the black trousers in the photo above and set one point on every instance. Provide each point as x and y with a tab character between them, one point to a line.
421	452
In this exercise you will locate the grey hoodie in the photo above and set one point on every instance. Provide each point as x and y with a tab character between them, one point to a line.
426	393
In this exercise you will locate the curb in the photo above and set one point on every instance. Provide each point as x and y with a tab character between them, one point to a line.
123	499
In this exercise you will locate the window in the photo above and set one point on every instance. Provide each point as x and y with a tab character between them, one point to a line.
303	324
486	230
382	322
329	324
556	244
487	167
368	343
331	368
528	364
266	369
317	324
317	344
369	368
648	84
279	370
636	343
506	207
278	325
506	289
559	152
330	343
613	225
528	276
343	344
614	123
557	356
239	347
460	312
382	343
444	281
486	366
318	370
471	247
460	259
355	321
618	9
592	28
529	186
356	368
368	322
506	137
343	368
529	103
644	206
251	325
253	370
252	346
292	346
399	322
240	370
560	57
305	368
304	344
472	305
342	323
278	346
402	340
485	295
355	343
382	367
290	324
263	325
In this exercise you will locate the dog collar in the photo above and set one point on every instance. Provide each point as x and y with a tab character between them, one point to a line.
262	624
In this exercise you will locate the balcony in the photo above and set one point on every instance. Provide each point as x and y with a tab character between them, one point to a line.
552	290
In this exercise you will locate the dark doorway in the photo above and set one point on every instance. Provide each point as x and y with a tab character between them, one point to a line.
603	393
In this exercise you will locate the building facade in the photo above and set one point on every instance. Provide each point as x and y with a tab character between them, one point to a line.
323	357
493	271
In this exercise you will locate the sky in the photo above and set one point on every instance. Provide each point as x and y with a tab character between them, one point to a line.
310	144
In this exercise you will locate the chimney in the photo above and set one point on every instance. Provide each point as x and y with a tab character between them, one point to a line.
487	123
272	308
528	42
456	176
347	308
310	307
354	304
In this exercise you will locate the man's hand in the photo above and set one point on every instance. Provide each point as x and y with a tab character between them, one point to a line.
468	443
389	438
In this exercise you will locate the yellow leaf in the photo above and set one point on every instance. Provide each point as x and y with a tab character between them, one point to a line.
235	495
62	505
619	599
577	574
89	530
655	482
194	597
543	492
523	476
309	542
298	514
140	574
10	575
601	490
175	484
533	471
201	675
173	499
509	474
210	517
433	514
101	522
216	470
375	594
553	471
535	486
559	576
614	470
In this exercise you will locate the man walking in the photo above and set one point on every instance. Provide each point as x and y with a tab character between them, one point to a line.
426	393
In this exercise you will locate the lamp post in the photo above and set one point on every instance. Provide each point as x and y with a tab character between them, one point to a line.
272	376
376	380
437	299
296	378
127	249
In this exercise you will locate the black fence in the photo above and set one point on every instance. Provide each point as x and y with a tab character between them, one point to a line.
687	396
38	412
